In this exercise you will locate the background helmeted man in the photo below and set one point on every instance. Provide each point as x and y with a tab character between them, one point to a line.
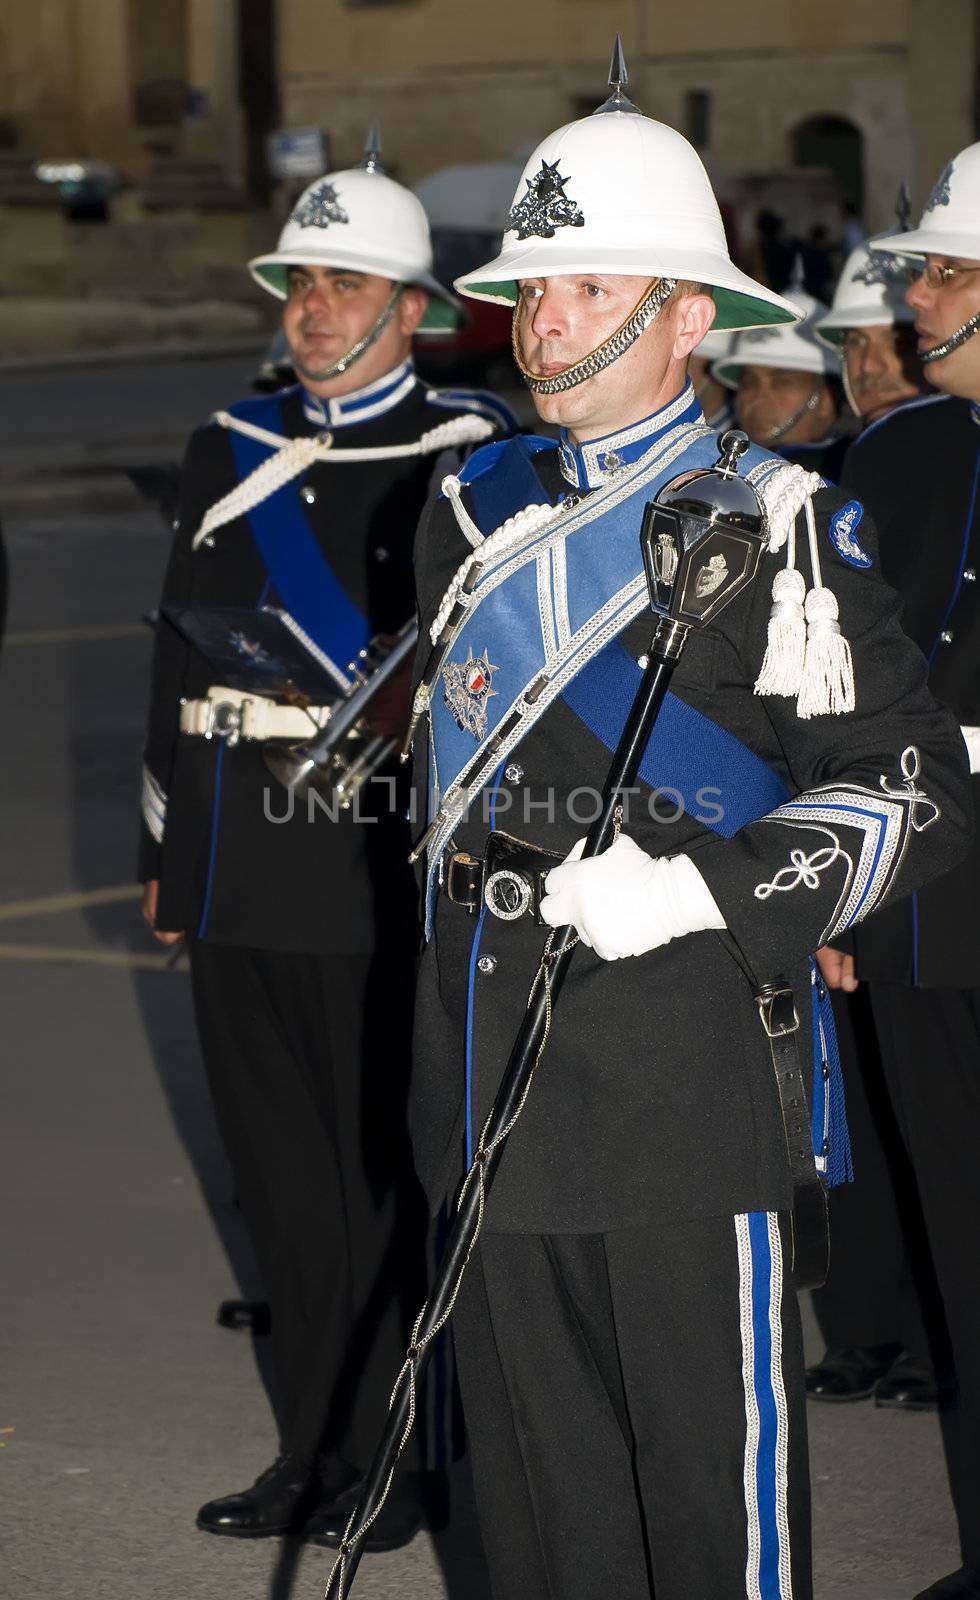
869	1310
627	1333
870	326
786	384
301	922
918	473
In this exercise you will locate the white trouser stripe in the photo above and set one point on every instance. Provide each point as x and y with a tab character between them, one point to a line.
768	1573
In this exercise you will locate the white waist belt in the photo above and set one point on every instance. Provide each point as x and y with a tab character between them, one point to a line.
972	738
234	714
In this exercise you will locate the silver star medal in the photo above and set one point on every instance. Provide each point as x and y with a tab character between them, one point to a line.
320	207
468	690
546	206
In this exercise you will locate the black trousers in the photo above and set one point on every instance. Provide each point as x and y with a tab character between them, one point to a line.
307	1058
930	1047
635	1410
879	1266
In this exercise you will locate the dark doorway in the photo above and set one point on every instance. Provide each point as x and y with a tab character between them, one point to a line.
837	144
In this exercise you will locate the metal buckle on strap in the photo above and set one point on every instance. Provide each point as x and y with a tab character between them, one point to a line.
777	1010
464	880
225	720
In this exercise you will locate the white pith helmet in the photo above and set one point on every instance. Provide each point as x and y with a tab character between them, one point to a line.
361	219
870	292
796	348
950	224
617	192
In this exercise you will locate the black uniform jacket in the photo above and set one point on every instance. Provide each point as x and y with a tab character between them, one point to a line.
917	471
227	872
655	1095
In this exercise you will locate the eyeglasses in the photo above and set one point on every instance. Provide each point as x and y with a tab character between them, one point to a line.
939	274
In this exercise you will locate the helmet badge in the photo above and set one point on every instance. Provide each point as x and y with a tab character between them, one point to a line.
320	207
546	207
939	195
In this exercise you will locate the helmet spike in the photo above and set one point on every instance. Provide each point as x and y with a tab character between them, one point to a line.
903	206
371	159
618	80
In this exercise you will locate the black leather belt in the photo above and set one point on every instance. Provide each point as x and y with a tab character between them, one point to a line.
508	880
811	1241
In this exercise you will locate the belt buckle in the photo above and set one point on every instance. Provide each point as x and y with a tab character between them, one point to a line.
507	894
777	1009
514	877
224	721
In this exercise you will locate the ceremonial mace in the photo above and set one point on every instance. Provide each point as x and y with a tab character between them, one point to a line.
702	539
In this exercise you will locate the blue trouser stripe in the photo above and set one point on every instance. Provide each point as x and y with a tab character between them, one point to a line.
219	762
765	1466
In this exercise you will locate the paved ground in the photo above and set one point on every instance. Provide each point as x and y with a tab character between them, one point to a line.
122	1405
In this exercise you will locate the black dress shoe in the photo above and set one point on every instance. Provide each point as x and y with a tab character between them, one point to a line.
909	1385
281	1500
961	1585
249	1315
397	1523
849	1374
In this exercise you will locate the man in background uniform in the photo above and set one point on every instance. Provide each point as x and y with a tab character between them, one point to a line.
787	387
918	473
869	1309
627	1333
300	919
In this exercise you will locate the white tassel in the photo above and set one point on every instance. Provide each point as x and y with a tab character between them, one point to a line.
828	672
782	666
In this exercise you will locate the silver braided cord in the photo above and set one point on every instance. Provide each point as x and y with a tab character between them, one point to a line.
529	520
639	319
294	456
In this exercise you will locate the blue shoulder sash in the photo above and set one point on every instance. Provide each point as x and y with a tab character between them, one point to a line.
297	567
540	612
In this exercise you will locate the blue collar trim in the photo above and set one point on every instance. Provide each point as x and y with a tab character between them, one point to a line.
361	405
589	465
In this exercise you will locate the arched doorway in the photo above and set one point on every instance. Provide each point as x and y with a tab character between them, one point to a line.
837	144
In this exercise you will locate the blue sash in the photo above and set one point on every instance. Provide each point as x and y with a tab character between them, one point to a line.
502	647
293	559
705	766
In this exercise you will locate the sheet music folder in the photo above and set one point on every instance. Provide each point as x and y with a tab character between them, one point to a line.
256	650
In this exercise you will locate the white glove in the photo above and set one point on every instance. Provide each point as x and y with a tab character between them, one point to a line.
624	902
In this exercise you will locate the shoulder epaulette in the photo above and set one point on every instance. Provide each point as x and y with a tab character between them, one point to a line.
480	401
489	454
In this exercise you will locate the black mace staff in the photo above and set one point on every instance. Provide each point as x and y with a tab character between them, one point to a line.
702	539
